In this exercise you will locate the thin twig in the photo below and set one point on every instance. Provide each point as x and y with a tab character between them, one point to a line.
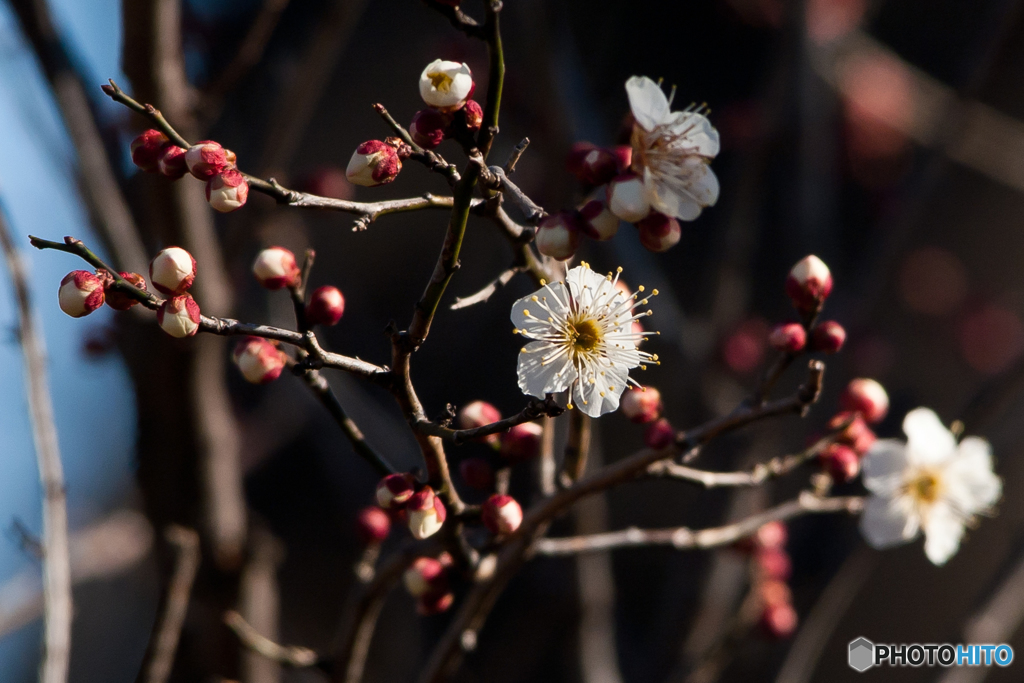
529	208
163	643
577	448
534	410
292	656
488	291
513	158
459	19
429	158
56	557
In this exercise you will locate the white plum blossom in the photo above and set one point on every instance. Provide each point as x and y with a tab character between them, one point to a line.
446	85
930	483
581	340
671	152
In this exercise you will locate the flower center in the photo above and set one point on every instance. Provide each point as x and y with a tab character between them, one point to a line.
925	487
584	336
441	81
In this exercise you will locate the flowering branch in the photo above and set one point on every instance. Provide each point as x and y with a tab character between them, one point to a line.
684	538
432	160
293	656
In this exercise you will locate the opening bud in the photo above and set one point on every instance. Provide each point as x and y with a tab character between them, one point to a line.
659	232
260	360
522	442
477	473
641	404
479	414
841	462
179	316
828	336
591	164
146	150
395	490
171	162
446	85
659	435
429	127
809	283
501	514
172	271
372	525
80	293
425	575
627	198
788	337
120	301
373	163
867	397
597	220
426	513
227	191
326	306
275	268
207	158
558	235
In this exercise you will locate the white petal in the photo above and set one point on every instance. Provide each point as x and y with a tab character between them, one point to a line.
887	522
701	137
648	102
553	296
537	378
884	466
608	380
972	486
928	440
943	530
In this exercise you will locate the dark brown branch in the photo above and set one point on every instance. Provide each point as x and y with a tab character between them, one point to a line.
292	656
577	448
529	208
163	643
513	158
429	158
459	19
536	409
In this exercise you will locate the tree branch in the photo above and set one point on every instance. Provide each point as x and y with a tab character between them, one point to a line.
534	410
487	292
292	656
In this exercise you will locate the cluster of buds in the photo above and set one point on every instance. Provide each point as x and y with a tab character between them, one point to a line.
426	579
226	187
421	509
259	360
808	285
172	271
447	89
82	292
519	444
770	568
863	402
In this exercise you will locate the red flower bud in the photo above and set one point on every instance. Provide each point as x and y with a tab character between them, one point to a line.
207	158
828	336
227	191
771	535
659	435
501	514
591	164
641	404
179	316
80	293
395	490
479	414
172	271
275	268
867	397
372	525
522	442
779	621
425	575
259	360
597	221
788	337
171	162
773	592
809	283
426	513
841	462
429	127
857	435
659	232
474	115
326	306
120	301
773	563
146	149
558	235
477	473
373	163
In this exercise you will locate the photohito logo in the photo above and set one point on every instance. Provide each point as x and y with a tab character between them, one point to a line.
863	654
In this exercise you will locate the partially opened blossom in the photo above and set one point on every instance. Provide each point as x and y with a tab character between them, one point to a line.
374	162
446	85
80	293
930	483
426	513
179	316
581	340
671	152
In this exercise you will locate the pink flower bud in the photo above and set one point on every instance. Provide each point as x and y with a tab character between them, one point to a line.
171	162
429	127
809	283
172	271
474	115
592	165
841	462
779	621
275	268
828	336
477	473
446	85
227	191
395	490
326	306
260	360
426	513
857	435
206	159
501	514
659	232
788	337
627	198
623	157
372	525
773	563
373	163
641	404
522	442
558	235
597	221
479	414
771	535
120	301
659	435
773	592
867	397
179	316
146	149
425	575
80	293
434	603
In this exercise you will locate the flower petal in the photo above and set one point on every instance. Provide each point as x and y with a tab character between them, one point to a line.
888	522
536	324
537	376
599	392
700	137
648	102
928	440
943	530
884	466
973	487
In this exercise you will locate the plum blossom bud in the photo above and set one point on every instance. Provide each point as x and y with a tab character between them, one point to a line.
856	434
501	514
275	268
867	397
522	442
477	473
395	490
641	404
779	621
373	163
597	221
120	301
623	157
206	159
627	198
773	592
426	513
372	525
841	462
434	603
171	162
659	435
429	127
446	85
146	149
659	232
227	191
259	360
172	271
809	283
558	235
773	563
326	306
828	336
80	293
479	414
591	164
771	535
179	316
474	115
425	575
788	337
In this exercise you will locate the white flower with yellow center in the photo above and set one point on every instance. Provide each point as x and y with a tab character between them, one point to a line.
446	85
582	340
931	483
671	152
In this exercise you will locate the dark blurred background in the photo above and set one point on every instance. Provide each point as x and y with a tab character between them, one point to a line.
886	137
